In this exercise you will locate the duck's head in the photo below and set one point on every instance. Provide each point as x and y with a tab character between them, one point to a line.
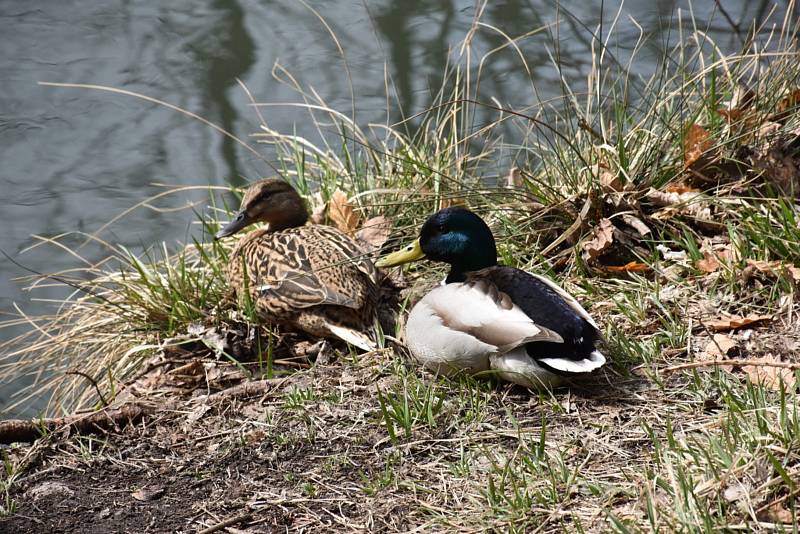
272	201
455	236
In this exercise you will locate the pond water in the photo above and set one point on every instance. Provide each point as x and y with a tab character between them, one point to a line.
73	159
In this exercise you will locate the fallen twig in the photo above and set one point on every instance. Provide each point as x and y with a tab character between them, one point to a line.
25	430
247	389
227	523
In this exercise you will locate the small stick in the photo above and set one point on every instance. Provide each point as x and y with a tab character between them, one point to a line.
226	523
734	363
28	430
247	389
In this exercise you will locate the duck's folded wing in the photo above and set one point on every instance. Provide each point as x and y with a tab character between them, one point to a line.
284	273
569	299
477	308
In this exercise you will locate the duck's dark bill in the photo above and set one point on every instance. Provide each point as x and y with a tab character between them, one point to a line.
234	226
409	253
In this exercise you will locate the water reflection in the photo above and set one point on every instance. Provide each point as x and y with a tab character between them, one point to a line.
72	159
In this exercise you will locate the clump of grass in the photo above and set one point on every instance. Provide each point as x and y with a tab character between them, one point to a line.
119	311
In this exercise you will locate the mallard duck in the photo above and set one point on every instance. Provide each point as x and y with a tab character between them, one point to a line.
309	277
487	316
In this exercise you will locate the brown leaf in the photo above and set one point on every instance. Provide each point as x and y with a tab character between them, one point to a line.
741	100
696	143
147	494
375	232
681	188
726	324
718	348
689	203
630	267
736	492
787	105
770	376
342	213
776	164
636	223
602	240
732	115
708	264
775	268
775	513
447	202
609	181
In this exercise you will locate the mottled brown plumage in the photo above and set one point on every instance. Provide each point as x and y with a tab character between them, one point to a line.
308	277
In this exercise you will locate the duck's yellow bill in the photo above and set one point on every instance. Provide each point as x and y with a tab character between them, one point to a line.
411	252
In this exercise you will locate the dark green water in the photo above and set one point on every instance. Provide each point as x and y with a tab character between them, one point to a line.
73	159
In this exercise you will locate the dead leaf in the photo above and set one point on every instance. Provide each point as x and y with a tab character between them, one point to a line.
636	223
732	323
775	513
630	267
741	100
147	494
375	232
769	376
736	492
776	164
709	263
602	239
609	181
718	348
680	188
342	213
690	203
775	268
787	105
447	202
696	144
732	115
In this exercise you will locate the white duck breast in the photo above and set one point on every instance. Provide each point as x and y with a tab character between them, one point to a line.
459	326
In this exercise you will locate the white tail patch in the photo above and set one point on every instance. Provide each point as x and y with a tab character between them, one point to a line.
355	338
587	365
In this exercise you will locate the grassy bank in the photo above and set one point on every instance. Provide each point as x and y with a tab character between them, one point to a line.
667	205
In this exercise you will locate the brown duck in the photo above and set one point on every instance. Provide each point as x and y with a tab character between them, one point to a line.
308	277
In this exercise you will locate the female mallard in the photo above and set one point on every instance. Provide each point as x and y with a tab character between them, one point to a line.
310	277
489	316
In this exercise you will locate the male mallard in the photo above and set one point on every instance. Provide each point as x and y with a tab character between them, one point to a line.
310	277
489	316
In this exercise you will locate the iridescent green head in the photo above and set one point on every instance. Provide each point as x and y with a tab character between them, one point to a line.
455	236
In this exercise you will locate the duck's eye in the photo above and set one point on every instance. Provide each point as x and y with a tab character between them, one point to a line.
442	229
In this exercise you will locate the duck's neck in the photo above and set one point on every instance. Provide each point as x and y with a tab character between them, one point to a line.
289	218
476	262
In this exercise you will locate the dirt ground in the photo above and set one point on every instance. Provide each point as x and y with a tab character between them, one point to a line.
370	442
309	453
